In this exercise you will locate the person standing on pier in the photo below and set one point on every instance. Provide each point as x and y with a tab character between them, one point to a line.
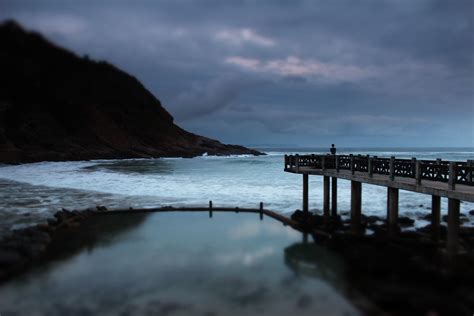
332	149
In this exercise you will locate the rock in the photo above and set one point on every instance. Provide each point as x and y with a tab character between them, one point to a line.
426	217
71	225
41	237
462	218
52	222
3	274
373	219
297	215
405	221
43	227
101	208
471	212
9	257
33	251
62	215
427	230
307	219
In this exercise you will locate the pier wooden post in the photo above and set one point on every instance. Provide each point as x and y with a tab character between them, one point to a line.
297	163
470	163
210	208
392	210
305	192
418	172
326	198
438	169
453	226
334	197
323	163
369	166
305	238
356	205
261	211
351	156
452	175
392	168
337	163
435	216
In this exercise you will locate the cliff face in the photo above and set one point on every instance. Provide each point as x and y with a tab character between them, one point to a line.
57	106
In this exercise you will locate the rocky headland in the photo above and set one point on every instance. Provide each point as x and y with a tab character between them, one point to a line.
56	106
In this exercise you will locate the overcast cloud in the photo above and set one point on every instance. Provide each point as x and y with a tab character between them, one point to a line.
299	73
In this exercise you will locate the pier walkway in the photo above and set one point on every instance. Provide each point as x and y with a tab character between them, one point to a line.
449	179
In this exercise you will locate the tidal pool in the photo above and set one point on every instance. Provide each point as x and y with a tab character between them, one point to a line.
182	263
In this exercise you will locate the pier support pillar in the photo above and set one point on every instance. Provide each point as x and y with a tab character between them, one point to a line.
453	226
326	198
435	216
392	210
334	197
305	238
305	192
356	205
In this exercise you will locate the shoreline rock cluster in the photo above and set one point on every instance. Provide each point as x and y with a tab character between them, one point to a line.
26	246
376	226
407	273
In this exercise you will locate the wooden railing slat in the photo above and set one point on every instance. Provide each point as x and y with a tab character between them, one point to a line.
433	170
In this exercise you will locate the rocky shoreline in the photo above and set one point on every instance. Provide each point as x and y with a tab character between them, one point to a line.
406	273
25	247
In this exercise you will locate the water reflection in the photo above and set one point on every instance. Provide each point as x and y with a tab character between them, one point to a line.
97	231
177	264
309	259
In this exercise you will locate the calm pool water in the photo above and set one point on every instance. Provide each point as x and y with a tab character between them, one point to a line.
183	264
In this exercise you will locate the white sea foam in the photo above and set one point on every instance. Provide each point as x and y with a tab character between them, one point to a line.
226	180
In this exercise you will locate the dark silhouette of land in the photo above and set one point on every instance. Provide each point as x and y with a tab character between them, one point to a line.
57	106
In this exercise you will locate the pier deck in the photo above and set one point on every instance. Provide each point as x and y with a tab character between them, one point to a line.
462	192
448	179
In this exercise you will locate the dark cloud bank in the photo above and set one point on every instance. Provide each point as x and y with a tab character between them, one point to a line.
307	73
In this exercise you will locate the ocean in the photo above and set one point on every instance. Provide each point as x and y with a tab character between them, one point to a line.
31	193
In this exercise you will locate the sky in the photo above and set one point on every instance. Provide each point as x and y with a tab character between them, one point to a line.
367	73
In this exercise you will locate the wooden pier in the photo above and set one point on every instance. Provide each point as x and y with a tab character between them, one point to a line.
449	179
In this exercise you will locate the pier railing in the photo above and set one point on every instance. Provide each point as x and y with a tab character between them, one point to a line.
451	172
